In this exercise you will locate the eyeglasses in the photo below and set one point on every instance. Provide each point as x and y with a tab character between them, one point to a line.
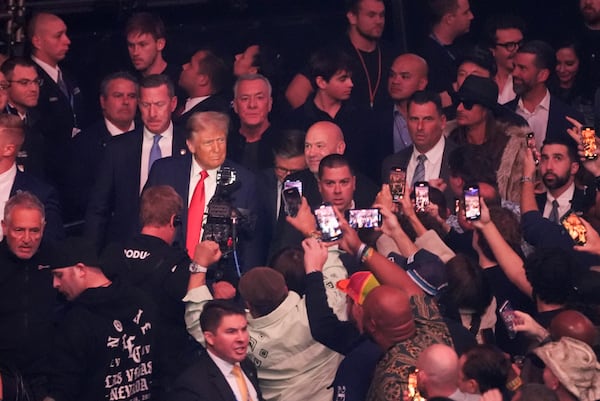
285	170
27	82
511	46
4	85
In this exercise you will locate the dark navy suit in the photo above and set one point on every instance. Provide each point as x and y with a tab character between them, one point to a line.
216	102
557	123
175	171
59	114
113	209
203	381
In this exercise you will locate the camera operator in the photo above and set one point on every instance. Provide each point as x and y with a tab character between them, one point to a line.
149	262
195	178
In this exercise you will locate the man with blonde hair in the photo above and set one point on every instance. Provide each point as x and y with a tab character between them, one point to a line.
195	178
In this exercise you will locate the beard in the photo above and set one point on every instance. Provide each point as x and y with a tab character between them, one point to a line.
369	36
591	15
521	87
554	181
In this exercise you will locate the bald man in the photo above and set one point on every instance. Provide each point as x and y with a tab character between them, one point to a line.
404	326
322	139
438	374
408	74
574	324
60	105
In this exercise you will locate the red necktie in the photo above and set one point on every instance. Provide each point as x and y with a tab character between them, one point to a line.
195	216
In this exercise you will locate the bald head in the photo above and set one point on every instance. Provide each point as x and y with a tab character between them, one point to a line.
388	316
48	35
571	323
408	74
323	138
439	366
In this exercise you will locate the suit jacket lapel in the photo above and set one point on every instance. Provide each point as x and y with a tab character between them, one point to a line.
219	381
183	182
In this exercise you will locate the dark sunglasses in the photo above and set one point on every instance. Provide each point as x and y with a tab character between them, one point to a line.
467	104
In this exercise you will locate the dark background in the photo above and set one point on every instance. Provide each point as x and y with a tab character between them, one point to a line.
293	27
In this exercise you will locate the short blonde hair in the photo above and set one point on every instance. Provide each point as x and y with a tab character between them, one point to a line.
199	122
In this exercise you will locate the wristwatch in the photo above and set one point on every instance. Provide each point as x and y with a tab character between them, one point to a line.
196	268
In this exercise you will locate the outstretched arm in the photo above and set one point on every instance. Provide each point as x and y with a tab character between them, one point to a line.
507	258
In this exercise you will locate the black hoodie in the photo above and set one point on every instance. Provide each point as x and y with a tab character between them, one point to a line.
103	348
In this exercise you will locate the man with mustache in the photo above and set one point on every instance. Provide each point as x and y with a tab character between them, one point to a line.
545	114
558	166
113	209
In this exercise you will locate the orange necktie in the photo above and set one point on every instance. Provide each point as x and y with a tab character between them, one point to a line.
241	382
195	216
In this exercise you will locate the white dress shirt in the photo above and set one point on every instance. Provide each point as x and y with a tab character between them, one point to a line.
166	149
7	179
433	164
193	101
564	202
48	69
507	93
226	368
114	130
538	119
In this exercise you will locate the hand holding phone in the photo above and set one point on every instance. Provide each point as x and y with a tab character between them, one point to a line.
328	223
588	140
472	202
397	182
421	196
292	200
577	231
508	316
364	218
530	140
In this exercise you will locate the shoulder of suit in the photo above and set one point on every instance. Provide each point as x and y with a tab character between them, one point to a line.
31	183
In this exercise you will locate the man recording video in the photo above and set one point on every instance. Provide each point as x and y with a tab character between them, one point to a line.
195	179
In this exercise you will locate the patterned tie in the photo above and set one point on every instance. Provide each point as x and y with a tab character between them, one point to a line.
62	85
155	152
419	170
554	212
195	216
241	382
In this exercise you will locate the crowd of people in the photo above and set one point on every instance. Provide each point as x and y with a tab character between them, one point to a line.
193	243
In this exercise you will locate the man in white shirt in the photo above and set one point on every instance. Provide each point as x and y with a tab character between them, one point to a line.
118	100
545	114
427	158
112	212
223	372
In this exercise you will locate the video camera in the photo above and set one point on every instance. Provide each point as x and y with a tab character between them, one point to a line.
224	222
